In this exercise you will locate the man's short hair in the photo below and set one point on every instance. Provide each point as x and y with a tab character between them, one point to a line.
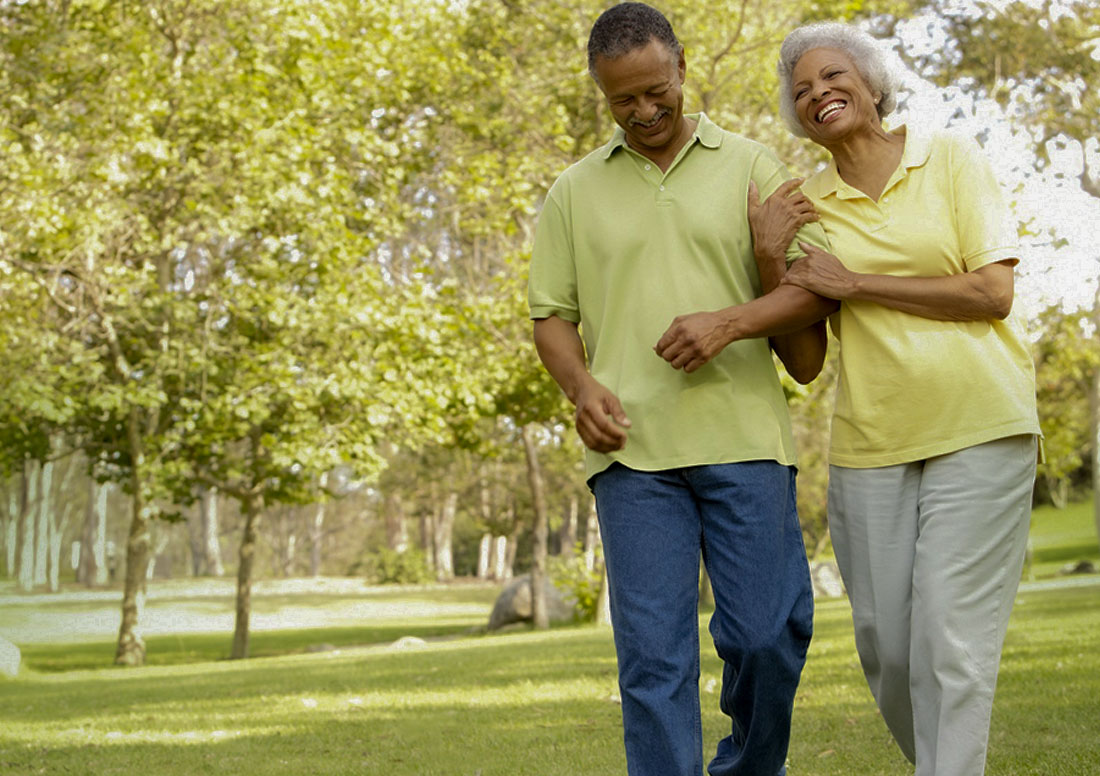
625	27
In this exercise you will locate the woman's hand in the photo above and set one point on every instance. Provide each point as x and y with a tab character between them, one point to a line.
822	273
774	223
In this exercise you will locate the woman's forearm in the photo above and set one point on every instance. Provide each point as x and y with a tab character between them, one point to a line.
984	294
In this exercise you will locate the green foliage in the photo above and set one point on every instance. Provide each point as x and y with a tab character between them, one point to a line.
390	567
1065	360
571	575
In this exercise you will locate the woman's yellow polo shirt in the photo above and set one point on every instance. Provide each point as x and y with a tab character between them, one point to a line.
909	387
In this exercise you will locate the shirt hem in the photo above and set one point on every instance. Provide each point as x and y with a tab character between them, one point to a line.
876	460
595	467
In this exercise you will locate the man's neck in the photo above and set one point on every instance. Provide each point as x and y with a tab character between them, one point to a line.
664	157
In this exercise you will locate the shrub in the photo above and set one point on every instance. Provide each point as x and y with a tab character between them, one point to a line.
390	567
570	574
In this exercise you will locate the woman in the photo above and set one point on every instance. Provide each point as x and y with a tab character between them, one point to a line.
934	436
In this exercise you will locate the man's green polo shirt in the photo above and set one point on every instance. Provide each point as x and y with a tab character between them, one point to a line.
622	249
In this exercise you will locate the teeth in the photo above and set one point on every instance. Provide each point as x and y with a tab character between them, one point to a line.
652	122
830	109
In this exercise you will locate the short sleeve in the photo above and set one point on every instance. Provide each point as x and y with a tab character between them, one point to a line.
552	284
985	233
769	174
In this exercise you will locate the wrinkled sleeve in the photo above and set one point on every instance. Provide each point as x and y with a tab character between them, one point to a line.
985	233
552	283
769	174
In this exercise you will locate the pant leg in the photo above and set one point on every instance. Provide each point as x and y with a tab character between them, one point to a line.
763	618
873	520
651	538
975	508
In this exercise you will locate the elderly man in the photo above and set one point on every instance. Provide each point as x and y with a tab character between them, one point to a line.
647	246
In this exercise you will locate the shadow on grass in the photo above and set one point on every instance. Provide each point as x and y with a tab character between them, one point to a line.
180	649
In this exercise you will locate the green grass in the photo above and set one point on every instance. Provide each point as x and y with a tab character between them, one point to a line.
531	704
1060	537
521	704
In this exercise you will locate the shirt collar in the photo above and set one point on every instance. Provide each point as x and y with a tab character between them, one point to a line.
706	132
918	146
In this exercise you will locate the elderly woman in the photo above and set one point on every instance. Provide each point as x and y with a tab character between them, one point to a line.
934	436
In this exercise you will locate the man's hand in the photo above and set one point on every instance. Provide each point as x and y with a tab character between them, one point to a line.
693	340
774	223
601	421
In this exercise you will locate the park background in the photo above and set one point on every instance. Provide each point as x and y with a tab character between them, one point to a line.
268	385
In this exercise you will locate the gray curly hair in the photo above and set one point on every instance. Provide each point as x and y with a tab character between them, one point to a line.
866	53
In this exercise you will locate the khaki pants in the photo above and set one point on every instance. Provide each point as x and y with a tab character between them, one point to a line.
931	553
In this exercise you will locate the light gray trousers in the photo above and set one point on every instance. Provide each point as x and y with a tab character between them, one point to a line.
931	553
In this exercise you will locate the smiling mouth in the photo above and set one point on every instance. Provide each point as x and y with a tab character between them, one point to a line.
649	124
832	108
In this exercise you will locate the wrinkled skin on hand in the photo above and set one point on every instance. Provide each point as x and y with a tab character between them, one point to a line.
820	272
692	340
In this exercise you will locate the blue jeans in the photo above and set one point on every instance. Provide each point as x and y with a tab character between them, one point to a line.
742	519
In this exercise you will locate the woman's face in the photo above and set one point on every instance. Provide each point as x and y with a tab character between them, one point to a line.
831	99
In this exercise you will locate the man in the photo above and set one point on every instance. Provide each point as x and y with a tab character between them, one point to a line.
689	445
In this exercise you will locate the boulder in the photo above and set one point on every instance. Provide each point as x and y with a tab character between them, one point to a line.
514	604
826	579
1078	567
408	642
9	658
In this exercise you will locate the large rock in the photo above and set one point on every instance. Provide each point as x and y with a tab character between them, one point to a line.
826	579
9	657
514	604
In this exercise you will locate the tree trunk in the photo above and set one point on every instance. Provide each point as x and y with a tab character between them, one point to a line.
397	531
444	538
11	530
427	537
208	519
591	537
28	510
250	507
131	646
316	536
42	524
195	540
484	553
539	614
568	534
58	520
160	536
511	544
499	567
92	568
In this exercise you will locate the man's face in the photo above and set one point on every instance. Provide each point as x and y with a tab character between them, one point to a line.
644	89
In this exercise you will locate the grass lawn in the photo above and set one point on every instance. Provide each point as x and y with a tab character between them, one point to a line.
518	704
537	704
1060	537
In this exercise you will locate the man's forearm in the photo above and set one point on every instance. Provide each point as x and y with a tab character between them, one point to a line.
776	313
561	351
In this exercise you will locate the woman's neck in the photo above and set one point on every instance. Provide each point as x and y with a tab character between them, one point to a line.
867	160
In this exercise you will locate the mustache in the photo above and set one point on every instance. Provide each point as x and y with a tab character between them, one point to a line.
660	115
